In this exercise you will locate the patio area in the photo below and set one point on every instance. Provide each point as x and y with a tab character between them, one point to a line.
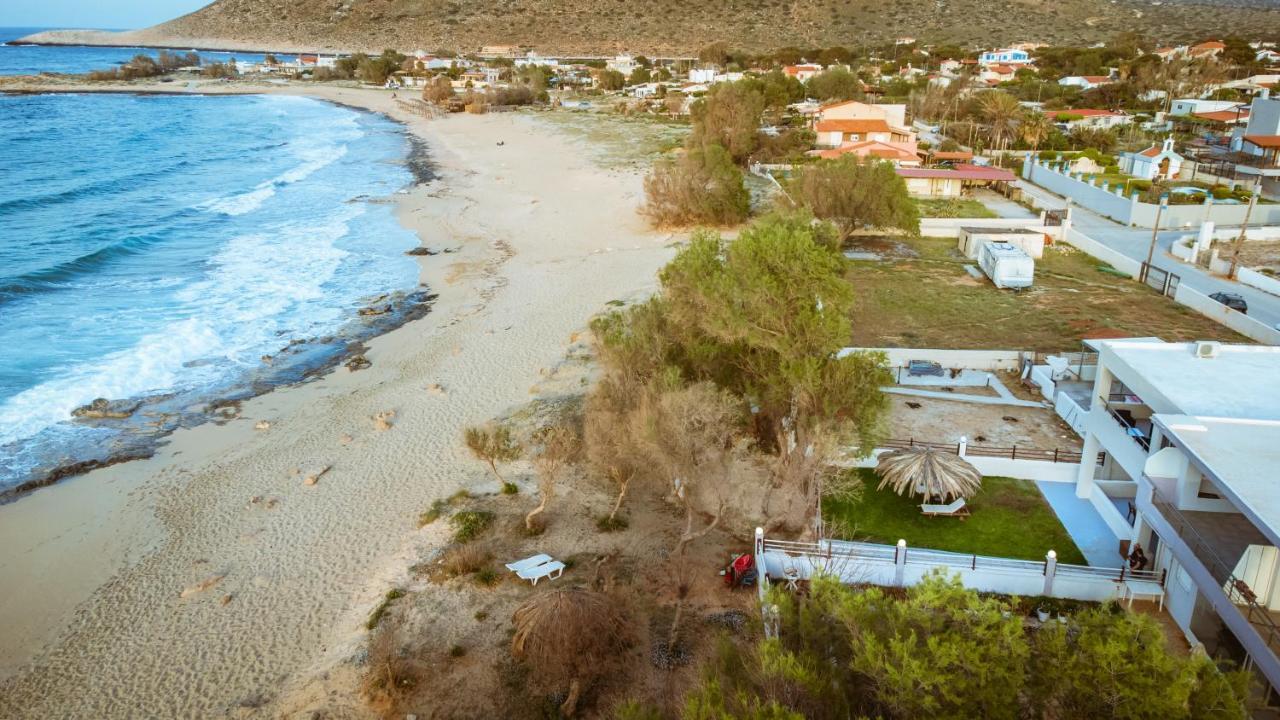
1100	546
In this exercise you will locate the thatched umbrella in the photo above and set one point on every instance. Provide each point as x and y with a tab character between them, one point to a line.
929	473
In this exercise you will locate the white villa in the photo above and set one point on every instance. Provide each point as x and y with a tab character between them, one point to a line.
1190	436
1006	56
1157	161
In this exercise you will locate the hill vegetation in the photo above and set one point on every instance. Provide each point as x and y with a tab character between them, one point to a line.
671	27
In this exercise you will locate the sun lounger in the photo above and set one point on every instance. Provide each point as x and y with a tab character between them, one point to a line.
955	508
529	562
534	574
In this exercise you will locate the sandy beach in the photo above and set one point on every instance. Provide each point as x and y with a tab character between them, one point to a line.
202	581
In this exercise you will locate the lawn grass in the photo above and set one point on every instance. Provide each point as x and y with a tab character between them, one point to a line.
1010	518
922	297
953	208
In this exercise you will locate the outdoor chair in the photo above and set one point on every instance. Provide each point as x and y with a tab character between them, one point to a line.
956	508
528	563
553	570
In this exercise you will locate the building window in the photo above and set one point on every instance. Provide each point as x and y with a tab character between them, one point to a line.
1207	490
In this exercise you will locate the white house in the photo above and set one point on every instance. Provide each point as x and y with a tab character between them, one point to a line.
1195	106
1191	439
1085	82
1092	118
1156	162
1007	56
624	64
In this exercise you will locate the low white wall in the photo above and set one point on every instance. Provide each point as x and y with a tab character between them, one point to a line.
1255	279
950	227
1027	582
1104	202
1237	321
1034	470
1114	258
970	359
1110	515
1071	412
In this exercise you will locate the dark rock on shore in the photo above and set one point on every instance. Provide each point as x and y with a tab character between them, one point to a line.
103	408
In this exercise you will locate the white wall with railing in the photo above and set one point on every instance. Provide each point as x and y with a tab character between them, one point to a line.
904	566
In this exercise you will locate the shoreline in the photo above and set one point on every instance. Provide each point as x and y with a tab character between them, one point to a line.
314	357
97	564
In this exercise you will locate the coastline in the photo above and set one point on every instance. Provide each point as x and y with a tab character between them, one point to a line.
304	359
97	564
148	39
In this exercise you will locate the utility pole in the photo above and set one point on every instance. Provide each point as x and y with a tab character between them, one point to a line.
1155	231
1239	243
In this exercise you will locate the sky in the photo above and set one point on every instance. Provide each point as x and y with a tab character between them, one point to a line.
93	13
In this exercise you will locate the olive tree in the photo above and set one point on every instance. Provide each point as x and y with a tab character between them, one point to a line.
855	193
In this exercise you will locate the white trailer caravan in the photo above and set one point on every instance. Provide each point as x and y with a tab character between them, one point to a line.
1007	265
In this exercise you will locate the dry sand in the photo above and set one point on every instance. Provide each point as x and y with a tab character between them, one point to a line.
93	571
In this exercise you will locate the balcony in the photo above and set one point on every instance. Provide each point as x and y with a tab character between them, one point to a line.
1218	541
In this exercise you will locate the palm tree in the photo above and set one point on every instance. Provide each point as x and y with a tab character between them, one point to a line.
929	473
1002	112
1034	128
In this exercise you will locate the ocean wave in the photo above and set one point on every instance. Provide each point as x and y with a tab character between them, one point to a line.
244	203
56	276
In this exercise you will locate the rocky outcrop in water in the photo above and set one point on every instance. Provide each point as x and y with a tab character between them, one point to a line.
104	409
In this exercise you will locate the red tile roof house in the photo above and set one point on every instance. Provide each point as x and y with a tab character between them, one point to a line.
1091	117
900	154
1210	48
802	72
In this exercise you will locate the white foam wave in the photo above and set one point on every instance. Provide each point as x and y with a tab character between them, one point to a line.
261	290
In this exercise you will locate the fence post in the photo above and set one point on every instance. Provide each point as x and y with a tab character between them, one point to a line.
962	447
900	563
762	580
1050	569
1014	454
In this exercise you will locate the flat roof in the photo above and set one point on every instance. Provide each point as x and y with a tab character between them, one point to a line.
1239	456
1242	382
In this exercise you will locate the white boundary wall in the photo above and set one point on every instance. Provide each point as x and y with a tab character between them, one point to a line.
967	359
903	566
1114	258
950	227
1255	279
1233	319
1000	467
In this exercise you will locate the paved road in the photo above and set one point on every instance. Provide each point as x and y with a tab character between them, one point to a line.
1134	242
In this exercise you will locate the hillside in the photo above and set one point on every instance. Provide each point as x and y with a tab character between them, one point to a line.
674	27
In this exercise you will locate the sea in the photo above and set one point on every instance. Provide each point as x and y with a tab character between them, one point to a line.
175	254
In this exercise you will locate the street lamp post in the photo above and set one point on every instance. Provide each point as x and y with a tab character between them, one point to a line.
1155	232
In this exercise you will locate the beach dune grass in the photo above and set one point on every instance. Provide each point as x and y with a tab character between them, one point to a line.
1009	518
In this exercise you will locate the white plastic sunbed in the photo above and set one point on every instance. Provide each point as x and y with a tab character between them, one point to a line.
955	508
528	563
534	574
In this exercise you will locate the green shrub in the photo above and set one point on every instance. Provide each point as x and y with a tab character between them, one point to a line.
463	560
510	488
487	576
481	615
470	524
1220	192
376	616
606	524
438	509
457	651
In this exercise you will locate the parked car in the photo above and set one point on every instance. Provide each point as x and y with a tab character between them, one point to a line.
1231	300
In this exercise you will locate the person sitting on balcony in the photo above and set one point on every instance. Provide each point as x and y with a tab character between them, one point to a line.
1137	558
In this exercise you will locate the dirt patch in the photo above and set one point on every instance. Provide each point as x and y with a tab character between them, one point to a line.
946	421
